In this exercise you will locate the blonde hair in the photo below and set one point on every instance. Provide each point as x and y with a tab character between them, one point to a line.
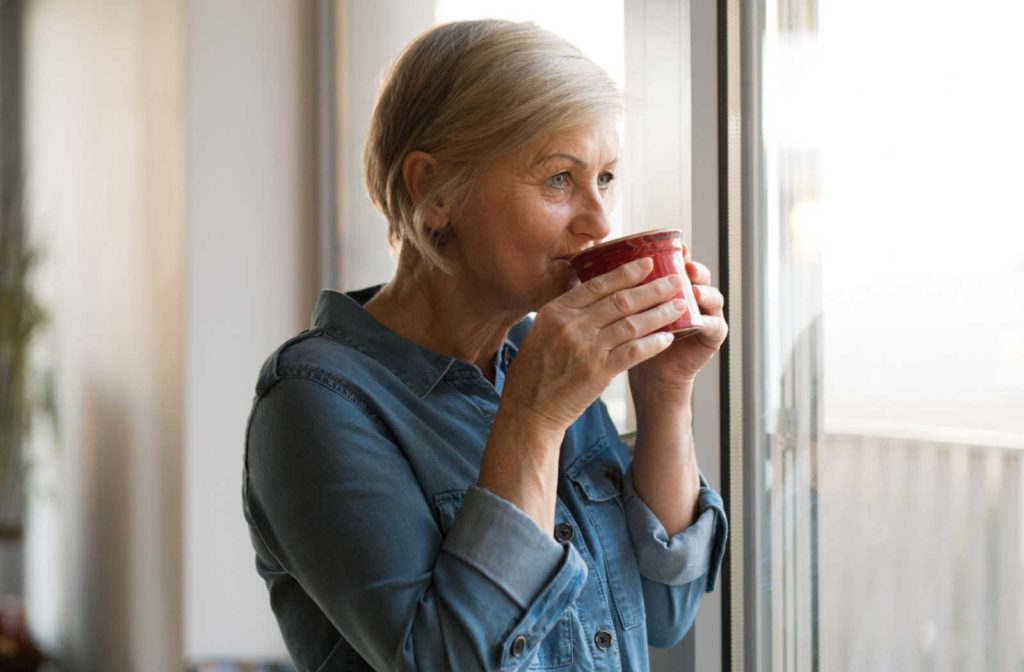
469	93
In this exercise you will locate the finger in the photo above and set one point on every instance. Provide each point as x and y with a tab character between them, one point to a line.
713	331
595	289
709	299
634	300
641	324
698	273
633	352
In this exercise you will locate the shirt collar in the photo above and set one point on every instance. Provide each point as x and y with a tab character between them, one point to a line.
344	318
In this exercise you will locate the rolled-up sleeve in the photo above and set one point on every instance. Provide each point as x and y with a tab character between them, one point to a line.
504	544
694	553
507	547
675	571
337	505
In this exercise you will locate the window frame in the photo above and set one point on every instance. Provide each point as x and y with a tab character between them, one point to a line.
739	25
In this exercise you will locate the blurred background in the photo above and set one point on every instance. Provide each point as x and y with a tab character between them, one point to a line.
179	178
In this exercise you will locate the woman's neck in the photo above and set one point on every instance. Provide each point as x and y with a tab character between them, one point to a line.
438	311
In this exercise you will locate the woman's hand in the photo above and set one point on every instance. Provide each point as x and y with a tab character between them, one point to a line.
580	341
665	472
677	366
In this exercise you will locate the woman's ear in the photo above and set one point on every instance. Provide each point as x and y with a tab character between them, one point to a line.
419	171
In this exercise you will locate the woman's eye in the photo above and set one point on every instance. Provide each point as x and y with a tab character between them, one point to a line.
604	179
559	181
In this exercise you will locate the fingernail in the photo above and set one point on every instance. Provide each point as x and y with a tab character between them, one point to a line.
680	305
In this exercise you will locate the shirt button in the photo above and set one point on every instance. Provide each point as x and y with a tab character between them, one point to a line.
614	476
518	646
564	532
603	639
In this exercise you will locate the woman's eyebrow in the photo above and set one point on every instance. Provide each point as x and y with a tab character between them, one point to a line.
575	159
560	155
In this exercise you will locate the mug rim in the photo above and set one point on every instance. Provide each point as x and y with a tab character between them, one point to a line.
621	239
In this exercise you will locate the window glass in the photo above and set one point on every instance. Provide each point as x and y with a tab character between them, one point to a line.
890	527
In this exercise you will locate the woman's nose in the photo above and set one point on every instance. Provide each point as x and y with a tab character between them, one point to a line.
592	218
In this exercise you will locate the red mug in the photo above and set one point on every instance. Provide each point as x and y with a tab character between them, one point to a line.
665	247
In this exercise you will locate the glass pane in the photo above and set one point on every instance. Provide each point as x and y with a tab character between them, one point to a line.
891	519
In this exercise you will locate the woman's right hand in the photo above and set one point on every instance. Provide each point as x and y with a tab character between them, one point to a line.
581	340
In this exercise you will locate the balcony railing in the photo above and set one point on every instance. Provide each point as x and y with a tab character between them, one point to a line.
921	553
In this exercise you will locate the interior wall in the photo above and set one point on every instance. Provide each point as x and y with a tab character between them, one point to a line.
158	326
370	37
251	284
104	129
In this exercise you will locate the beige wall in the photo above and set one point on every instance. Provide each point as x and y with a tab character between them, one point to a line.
369	37
172	155
105	147
252	282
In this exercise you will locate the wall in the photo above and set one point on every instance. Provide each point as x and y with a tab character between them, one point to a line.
178	222
370	36
251	283
104	143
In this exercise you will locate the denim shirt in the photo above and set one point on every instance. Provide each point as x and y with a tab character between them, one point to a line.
380	552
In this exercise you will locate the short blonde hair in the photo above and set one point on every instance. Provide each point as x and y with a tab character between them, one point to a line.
469	93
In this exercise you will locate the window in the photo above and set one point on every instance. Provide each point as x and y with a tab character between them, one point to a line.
882	298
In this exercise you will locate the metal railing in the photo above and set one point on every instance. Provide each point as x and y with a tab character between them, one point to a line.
921	555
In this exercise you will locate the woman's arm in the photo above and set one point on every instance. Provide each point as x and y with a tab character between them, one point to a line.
676	570
665	471
677	523
664	464
335	504
578	343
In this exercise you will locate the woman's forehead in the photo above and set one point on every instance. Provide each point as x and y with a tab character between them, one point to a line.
586	142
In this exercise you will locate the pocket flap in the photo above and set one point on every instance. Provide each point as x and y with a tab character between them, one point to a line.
599	477
448	504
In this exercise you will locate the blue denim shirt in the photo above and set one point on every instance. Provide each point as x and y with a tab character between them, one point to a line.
379	551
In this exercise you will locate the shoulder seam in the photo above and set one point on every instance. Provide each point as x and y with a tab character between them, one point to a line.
339	386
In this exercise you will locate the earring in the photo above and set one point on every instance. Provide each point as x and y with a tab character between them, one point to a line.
440	237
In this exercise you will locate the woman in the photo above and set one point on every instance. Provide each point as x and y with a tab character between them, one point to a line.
431	482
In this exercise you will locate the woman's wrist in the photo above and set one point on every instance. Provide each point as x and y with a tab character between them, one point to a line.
656	400
520	462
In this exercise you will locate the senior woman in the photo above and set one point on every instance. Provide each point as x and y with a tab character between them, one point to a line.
431	481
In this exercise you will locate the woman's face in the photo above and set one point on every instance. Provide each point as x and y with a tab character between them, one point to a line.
531	212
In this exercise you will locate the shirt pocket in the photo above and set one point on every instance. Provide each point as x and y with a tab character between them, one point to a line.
597	478
556	650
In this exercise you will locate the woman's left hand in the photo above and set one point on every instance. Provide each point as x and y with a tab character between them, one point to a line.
676	367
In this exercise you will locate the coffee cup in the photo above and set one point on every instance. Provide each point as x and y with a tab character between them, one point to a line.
665	248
